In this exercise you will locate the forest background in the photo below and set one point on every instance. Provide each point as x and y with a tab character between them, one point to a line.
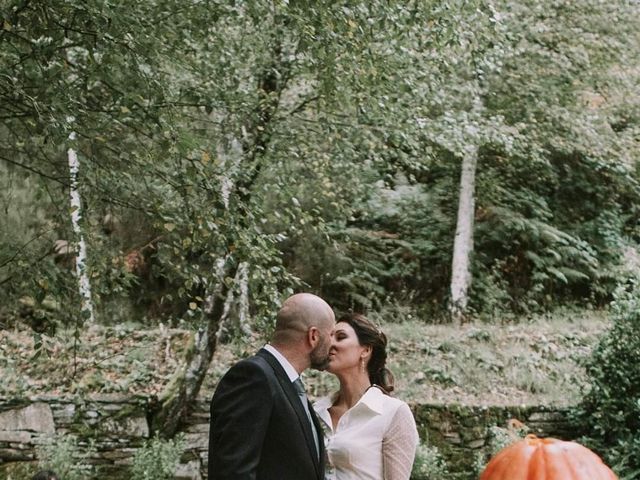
189	164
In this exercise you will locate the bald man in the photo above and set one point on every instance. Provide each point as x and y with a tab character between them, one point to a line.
262	425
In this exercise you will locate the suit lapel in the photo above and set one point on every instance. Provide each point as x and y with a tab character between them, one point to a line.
318	425
295	402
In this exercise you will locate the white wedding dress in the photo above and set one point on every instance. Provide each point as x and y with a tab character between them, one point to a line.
376	439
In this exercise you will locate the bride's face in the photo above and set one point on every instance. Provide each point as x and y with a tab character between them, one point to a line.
345	352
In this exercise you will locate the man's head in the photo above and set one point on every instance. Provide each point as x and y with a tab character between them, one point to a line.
304	324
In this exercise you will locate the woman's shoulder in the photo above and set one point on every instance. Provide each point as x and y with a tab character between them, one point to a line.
392	409
378	400
394	403
399	418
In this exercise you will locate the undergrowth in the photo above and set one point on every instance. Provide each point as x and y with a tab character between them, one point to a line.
537	361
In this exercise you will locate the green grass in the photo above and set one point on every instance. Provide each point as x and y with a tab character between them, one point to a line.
533	362
536	361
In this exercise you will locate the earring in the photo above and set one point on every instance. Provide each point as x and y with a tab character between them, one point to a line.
362	368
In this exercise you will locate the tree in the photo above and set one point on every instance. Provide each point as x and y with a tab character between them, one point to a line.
238	150
132	103
608	413
184	136
463	242
81	254
540	147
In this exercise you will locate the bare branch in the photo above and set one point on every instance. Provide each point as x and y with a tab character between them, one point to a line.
33	170
23	247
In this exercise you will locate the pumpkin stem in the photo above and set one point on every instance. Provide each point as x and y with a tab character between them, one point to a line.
533	440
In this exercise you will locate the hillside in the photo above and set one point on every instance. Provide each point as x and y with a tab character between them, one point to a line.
532	362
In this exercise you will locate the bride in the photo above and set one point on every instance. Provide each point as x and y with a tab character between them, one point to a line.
369	434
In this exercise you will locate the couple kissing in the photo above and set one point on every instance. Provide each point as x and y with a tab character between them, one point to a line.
263	426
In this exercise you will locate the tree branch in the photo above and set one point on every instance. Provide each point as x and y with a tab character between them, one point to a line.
302	105
33	170
22	248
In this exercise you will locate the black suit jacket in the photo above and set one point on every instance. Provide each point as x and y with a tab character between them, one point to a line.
259	429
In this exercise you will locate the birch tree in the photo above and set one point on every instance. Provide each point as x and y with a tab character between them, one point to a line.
463	241
84	284
480	51
284	88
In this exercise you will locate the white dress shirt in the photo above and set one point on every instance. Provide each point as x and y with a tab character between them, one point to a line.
288	368
376	439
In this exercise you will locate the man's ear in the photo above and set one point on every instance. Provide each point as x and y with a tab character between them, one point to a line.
313	336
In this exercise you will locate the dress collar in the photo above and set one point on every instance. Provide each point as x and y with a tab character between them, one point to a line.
373	399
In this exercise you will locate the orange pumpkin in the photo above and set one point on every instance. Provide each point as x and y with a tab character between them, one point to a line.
536	458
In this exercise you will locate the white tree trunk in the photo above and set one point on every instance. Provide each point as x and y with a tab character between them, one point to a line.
463	242
81	251
230	157
243	300
236	307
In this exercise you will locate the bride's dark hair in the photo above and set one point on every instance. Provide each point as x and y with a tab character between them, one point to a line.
371	336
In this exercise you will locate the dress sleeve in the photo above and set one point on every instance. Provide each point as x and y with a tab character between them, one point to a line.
399	445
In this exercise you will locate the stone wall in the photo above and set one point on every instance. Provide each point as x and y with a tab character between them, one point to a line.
464	434
119	425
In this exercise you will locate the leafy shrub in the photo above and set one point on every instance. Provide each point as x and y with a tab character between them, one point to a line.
17	470
528	262
157	459
500	438
610	411
64	455
497	439
429	464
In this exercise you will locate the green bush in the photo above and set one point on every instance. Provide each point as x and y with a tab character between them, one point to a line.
429	464
17	470
157	459
64	455
610	411
498	438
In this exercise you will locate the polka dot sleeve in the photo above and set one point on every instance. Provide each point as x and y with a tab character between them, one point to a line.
399	445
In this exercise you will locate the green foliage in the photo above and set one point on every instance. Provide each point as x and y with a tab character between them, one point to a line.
18	470
498	438
557	189
65	455
610	410
157	459
33	280
320	143
365	266
155	160
429	464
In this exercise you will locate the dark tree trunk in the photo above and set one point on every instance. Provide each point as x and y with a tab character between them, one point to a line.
184	387
178	396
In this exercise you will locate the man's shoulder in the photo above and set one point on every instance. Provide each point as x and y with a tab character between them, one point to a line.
255	365
249	373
